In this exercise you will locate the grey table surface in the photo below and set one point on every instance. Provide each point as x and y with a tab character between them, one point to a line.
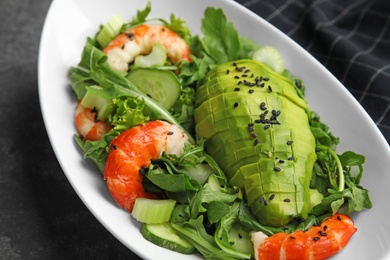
41	217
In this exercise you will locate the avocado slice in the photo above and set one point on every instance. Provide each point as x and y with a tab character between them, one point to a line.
256	126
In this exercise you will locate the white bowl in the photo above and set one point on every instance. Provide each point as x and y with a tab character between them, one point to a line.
70	22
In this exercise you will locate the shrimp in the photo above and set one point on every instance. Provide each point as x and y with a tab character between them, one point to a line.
318	242
87	124
140	40
132	151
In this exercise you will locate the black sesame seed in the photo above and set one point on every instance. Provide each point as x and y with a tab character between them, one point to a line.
257	121
266	127
236	77
322	233
239	236
250	124
292	237
269	88
256	142
236	104
265	203
265	79
237	89
170	133
289	142
237	190
227	71
277	169
131	36
244	75
286	200
338	217
143	170
114	147
251	129
316	238
234	64
94	110
272	197
254	135
123	46
325	227
261	200
251	91
290	158
239	83
276	112
281	161
247	71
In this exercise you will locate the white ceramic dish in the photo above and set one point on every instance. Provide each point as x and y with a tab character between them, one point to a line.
70	22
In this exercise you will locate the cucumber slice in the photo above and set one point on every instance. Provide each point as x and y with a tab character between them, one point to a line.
157	57
92	101
241	240
110	30
200	172
153	211
165	236
161	85
270	57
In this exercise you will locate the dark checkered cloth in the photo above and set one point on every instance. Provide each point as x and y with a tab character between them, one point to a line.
349	37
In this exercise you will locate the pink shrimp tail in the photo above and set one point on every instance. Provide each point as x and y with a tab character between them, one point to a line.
88	127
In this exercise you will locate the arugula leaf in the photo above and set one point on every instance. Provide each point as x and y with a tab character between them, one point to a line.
216	210
97	151
222	234
195	233
207	195
172	182
139	18
178	25
221	39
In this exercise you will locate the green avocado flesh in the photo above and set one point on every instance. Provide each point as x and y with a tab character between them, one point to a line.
256	127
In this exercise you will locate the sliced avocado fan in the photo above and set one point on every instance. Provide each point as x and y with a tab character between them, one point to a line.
256	126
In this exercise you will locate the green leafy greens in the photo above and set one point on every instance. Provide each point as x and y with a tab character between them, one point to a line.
208	211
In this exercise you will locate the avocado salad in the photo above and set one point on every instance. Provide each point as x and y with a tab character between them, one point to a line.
258	158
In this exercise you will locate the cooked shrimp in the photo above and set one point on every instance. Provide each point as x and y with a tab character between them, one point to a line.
132	151
140	40
87	124
318	242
